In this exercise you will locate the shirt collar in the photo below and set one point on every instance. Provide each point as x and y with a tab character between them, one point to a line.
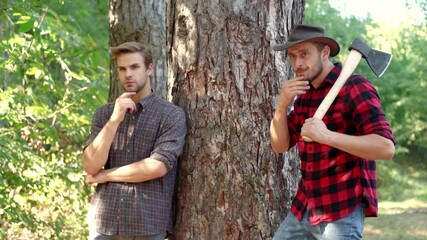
332	75
147	100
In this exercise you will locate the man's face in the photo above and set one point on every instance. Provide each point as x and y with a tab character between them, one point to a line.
133	73
306	60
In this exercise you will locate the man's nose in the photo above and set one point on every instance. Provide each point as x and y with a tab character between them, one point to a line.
128	72
299	61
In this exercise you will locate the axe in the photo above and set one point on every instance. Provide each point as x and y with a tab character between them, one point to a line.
377	61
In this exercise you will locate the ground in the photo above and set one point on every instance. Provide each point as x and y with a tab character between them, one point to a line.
398	221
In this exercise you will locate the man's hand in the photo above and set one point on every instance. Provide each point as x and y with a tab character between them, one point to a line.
123	104
315	129
97	178
290	89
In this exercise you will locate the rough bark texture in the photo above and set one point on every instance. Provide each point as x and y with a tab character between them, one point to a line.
141	21
225	75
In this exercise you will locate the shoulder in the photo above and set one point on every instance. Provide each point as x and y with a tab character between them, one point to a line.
358	84
359	80
166	111
167	106
104	110
361	92
106	107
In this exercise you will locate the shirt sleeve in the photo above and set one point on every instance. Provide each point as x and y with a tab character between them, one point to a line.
169	144
99	119
294	126
366	107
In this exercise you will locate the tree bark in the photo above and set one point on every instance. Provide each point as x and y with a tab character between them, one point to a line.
224	73
141	21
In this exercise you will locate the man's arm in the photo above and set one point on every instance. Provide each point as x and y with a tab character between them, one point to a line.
96	154
141	171
279	132
375	141
371	146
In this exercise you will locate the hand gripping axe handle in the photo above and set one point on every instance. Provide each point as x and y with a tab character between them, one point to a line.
378	62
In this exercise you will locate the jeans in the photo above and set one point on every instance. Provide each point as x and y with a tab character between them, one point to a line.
98	236
350	227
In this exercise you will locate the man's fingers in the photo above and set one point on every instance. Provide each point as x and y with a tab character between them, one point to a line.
127	95
126	100
298	78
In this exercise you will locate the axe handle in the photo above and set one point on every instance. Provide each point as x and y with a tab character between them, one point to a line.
348	68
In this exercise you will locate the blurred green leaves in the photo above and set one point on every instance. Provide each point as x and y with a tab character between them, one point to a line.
54	73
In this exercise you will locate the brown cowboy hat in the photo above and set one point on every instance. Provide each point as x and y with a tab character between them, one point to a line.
302	33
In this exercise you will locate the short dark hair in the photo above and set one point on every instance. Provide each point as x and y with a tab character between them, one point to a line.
133	47
320	46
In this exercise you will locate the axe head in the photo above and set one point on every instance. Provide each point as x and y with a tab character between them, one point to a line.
378	61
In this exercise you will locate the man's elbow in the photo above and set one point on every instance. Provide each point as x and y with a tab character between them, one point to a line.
278	148
389	150
90	170
88	167
160	171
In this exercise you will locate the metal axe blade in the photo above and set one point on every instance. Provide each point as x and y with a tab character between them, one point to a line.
378	61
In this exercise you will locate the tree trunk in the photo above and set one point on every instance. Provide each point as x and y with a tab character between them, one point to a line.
5	24
141	21
224	73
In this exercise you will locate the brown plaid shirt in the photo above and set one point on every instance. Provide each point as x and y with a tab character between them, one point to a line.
156	130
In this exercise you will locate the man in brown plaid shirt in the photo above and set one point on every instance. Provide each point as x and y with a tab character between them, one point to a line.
132	153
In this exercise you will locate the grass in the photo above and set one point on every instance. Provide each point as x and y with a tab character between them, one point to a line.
402	201
398	221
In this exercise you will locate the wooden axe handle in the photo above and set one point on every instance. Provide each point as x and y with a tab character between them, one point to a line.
348	68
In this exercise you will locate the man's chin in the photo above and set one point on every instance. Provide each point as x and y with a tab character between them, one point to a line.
130	89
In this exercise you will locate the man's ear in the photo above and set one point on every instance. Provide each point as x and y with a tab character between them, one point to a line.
150	69
326	52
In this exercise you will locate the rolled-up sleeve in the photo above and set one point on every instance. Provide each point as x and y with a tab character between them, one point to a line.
170	143
367	111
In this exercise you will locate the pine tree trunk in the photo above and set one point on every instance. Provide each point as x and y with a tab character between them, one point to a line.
224	73
141	21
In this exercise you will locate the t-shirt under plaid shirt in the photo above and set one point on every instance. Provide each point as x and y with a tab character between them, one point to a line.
334	182
156	130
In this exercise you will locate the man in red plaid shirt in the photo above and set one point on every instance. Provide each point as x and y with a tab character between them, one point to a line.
338	187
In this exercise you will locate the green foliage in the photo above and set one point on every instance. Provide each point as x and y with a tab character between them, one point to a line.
54	68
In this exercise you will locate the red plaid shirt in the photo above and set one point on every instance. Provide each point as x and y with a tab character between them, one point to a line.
156	130
334	182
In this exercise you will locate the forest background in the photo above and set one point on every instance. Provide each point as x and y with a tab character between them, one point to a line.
54	70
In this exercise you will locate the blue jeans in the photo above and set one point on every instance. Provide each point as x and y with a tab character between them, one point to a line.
93	235
350	227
